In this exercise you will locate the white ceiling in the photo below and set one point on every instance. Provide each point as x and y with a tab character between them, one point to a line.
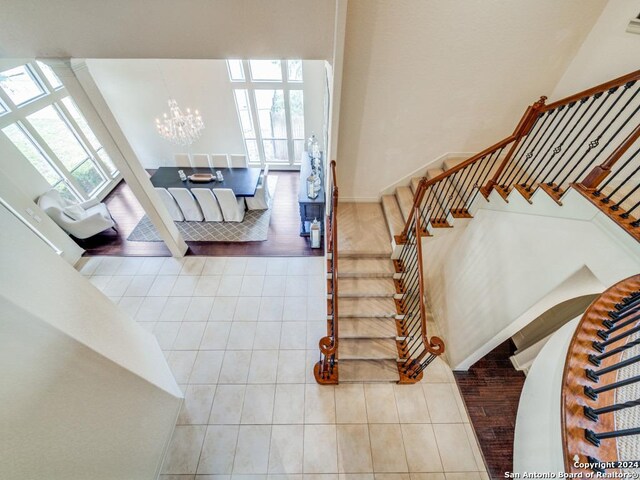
167	28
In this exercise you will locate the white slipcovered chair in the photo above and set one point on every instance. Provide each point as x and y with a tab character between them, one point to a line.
181	160
200	160
238	161
170	203
232	208
262	199
188	205
208	204
82	220
219	160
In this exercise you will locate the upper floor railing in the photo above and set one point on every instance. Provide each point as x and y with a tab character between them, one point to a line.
326	370
601	382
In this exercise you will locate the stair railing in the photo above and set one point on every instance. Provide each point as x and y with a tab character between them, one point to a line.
600	383
326	370
416	350
578	141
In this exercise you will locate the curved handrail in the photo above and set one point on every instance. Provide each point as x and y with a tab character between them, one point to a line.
589	380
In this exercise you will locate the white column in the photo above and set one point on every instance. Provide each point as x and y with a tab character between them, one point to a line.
81	86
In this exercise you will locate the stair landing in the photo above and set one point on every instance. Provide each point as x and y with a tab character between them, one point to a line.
362	231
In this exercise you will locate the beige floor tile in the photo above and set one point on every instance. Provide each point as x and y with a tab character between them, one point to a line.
315	331
460	403
442	403
241	336
289	404
206	368
252	452
256	266
215	336
235	366
151	309
175	309
184	450
291	366
181	362
274	286
392	476
454	447
178	477
184	286
320	449
285	452
294	336
381	403
131	305
189	336
356	476
139	286
171	266
199	309
412	406
350	404
196	406
295	309
227	404
320	476
475	448
224	309
319	404
214	266
218	450
258	405
229	286
207	286
267	336
276	266
252	286
192	266
282	476
463	476
296	286
264	366
235	266
387	448
247	309
421	448
428	476
271	309
354	449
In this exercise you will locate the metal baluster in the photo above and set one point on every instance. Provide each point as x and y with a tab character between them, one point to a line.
592	413
593	393
522	147
599	190
596	359
594	375
595	438
600	346
483	181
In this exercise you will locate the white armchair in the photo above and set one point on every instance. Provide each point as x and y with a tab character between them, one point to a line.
82	220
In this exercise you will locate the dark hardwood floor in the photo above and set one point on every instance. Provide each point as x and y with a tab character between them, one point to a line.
491	391
283	237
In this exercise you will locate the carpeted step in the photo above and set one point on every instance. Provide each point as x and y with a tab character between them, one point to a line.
368	371
395	222
365	267
404	195
367	307
368	349
366	287
363	327
414	184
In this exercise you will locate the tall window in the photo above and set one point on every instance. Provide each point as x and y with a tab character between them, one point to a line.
43	122
270	103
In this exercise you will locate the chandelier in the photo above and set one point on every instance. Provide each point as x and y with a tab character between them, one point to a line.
180	128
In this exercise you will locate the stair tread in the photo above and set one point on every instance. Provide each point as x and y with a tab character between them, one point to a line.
414	183
392	212
368	371
362	230
364	327
451	162
365	267
434	172
404	195
363	287
367	307
368	349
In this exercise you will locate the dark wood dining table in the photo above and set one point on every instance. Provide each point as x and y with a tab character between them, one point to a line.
243	181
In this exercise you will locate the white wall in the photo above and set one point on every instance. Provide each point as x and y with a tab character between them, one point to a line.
167	28
422	78
608	52
483	280
137	91
85	392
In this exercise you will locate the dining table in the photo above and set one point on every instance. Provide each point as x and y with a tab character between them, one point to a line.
243	181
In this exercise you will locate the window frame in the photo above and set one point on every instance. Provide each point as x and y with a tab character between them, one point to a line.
17	114
251	86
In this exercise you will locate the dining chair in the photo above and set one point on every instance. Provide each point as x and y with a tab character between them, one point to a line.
232	208
238	161
170	203
181	160
200	160
262	198
219	160
188	204
208	204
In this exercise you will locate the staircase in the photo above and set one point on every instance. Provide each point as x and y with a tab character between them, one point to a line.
589	142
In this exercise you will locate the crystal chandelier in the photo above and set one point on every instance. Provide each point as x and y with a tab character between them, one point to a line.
180	128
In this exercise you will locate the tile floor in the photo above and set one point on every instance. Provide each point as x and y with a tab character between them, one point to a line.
240	335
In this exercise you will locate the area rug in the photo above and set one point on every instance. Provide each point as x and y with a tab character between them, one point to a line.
253	228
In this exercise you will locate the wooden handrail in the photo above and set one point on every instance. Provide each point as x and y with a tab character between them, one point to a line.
616	82
435	345
575	381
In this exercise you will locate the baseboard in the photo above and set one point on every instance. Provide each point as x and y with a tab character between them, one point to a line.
420	172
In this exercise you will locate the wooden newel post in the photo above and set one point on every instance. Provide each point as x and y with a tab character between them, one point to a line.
600	172
523	128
